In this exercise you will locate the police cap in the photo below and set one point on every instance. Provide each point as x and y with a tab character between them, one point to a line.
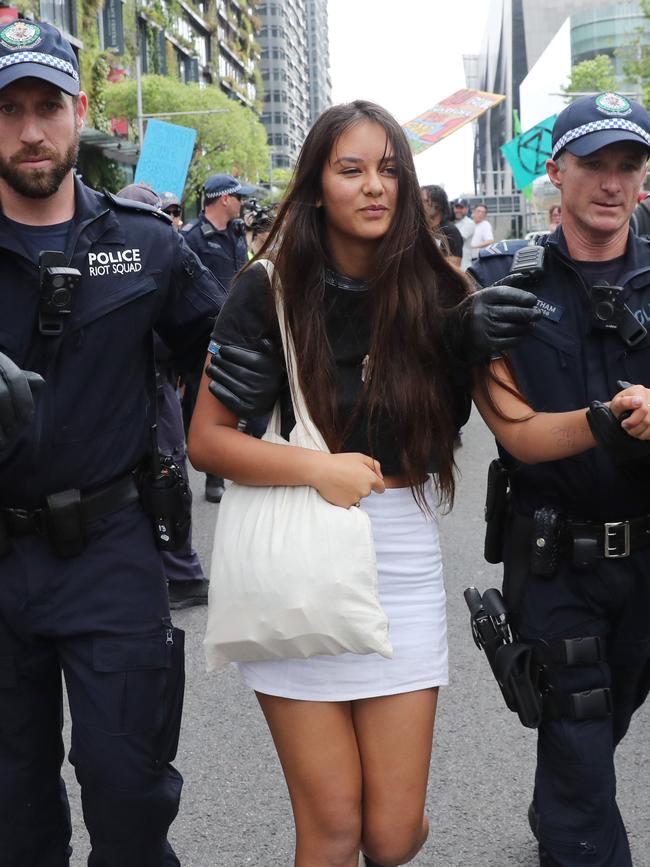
592	122
221	185
34	49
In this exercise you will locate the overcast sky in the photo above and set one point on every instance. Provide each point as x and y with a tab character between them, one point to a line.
407	55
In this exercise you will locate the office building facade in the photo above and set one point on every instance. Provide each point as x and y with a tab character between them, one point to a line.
295	73
517	34
320	83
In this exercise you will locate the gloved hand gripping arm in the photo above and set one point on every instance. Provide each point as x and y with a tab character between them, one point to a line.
623	427
17	388
247	381
497	318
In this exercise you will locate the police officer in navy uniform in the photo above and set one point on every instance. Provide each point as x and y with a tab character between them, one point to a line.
81	585
218	237
573	426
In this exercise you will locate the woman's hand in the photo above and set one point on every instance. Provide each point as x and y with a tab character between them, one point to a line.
344	479
635	400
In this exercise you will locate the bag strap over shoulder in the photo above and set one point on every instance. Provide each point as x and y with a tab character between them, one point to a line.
308	434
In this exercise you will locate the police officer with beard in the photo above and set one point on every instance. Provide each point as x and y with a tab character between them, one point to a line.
85	278
570	408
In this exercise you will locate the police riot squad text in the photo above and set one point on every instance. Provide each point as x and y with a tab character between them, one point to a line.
114	262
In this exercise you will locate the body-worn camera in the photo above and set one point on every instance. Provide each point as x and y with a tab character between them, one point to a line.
58	287
166	499
606	305
607	309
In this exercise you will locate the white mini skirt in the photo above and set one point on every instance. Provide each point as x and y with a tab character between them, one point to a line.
412	593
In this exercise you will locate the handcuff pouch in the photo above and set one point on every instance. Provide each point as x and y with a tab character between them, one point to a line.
65	526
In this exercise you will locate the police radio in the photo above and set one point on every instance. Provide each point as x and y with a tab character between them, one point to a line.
58	285
528	262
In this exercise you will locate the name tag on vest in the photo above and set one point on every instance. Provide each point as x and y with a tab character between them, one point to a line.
550	310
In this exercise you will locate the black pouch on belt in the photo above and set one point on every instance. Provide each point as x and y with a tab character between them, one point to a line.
496	511
65	527
516	674
545	542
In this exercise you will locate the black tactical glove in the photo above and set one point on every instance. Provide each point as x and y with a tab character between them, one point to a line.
609	434
16	401
499	316
247	381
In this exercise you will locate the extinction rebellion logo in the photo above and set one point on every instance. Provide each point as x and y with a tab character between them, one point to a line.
114	262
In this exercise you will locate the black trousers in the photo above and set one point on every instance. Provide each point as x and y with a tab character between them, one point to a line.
101	619
183	564
575	782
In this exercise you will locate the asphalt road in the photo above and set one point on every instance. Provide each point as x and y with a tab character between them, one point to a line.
235	810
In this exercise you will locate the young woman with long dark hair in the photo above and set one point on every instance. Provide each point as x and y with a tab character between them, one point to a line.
370	301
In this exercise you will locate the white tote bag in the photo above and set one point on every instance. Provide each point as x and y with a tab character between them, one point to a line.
292	575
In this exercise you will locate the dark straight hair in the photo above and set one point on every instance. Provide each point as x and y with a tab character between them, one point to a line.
412	292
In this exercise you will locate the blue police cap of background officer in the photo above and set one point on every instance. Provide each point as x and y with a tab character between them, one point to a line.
221	185
592	122
34	49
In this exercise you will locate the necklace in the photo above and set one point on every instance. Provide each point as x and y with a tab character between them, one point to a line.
340	281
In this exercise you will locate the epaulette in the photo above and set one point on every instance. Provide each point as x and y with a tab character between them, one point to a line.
131	205
504	248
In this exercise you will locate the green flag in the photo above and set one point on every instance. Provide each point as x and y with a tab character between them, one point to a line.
527	153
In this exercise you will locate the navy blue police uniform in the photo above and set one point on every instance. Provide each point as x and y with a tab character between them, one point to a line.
223	251
600	594
101	616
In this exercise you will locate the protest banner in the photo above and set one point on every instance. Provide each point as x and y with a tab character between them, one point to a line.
527	153
447	116
165	157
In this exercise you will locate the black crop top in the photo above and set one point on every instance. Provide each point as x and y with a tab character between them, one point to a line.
248	315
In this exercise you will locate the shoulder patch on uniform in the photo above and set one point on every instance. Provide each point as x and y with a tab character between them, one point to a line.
503	248
131	205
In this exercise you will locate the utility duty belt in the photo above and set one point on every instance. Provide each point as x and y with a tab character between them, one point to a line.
552	536
64	517
159	485
584	543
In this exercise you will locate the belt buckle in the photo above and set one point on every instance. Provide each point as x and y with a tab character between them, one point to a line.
612	540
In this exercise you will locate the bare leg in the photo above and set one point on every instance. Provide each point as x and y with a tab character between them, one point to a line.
317	746
394	736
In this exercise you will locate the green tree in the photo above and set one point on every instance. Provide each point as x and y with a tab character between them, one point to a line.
232	141
591	76
281	178
635	56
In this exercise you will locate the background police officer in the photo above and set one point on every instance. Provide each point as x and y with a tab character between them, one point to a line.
218	237
82	589
576	567
186	583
